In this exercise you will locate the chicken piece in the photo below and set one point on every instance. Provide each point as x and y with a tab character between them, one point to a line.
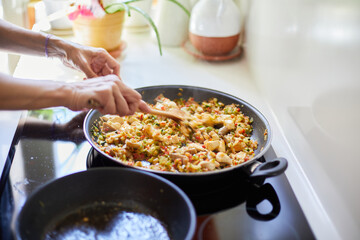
190	150
222	147
224	130
196	146
229	139
132	145
132	119
110	127
211	145
170	104
238	145
211	155
112	118
240	156
229	124
105	118
194	121
223	158
153	133
207	165
175	156
184	130
170	140
149	130
214	136
207	119
206	136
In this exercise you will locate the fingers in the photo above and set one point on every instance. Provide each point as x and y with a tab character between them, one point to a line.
104	64
144	107
121	105
88	71
106	71
115	66
94	62
103	69
107	94
132	97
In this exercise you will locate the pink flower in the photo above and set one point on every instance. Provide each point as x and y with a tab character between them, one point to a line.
81	10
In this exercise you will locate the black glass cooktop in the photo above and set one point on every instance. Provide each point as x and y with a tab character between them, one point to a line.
50	144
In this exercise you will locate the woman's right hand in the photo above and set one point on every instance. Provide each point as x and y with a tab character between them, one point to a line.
109	93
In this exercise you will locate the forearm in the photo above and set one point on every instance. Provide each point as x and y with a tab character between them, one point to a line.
23	41
16	94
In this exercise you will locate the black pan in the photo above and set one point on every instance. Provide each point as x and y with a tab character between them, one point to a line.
252	169
100	190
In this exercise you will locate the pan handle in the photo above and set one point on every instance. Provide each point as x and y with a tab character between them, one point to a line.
260	171
259	194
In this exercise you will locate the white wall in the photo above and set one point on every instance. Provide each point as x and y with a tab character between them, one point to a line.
305	57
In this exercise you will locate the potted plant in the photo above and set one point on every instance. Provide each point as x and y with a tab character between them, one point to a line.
99	23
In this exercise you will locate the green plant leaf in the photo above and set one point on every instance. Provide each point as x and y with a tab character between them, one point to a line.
131	1
116	7
127	8
148	18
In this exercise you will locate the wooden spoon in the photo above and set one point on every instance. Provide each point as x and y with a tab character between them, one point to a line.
175	114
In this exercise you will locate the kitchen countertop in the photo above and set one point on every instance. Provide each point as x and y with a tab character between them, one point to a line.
141	65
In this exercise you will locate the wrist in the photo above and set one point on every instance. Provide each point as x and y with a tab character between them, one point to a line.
55	47
68	95
55	94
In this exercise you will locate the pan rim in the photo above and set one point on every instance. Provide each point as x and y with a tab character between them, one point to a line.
229	169
178	190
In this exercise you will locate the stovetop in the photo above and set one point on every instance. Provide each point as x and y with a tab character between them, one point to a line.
50	144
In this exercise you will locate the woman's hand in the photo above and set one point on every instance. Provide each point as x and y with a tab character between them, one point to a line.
94	62
109	93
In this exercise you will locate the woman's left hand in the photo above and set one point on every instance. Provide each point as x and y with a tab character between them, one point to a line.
94	62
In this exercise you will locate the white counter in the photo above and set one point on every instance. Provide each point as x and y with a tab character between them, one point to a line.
142	66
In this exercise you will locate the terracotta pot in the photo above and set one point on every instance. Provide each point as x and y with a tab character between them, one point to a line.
102	32
214	46
215	26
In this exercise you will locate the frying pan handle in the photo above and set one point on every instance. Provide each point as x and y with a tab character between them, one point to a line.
270	168
258	195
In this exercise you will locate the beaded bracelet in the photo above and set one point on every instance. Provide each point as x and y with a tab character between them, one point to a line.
46	44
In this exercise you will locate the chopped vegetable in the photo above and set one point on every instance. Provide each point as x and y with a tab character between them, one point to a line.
219	137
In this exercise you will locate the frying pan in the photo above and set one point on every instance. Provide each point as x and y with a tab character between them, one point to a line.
133	190
253	169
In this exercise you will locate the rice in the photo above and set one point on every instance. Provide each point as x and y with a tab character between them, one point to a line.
214	136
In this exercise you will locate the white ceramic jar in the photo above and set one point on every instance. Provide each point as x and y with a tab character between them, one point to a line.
172	22
215	26
52	6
